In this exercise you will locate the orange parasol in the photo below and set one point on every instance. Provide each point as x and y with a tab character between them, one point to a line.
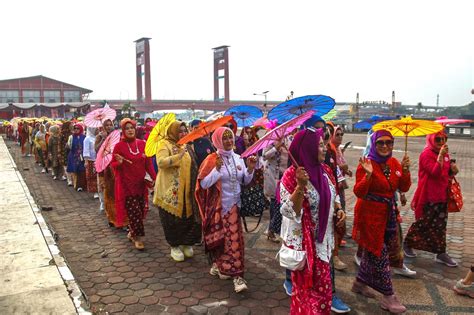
204	129
408	127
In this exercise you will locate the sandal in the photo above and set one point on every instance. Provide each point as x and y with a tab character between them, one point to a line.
139	245
129	236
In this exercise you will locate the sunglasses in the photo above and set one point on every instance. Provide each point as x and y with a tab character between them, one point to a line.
381	143
441	139
341	134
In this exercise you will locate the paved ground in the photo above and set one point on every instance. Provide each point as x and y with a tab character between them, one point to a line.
116	278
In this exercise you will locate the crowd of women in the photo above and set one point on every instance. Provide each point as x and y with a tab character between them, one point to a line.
198	189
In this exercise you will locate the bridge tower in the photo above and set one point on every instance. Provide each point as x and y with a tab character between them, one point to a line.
143	70
221	72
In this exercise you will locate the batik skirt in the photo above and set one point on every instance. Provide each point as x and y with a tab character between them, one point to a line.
231	261
429	232
275	216
91	176
135	207
180	231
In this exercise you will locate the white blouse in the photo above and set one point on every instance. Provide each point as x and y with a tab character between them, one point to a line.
291	229
232	174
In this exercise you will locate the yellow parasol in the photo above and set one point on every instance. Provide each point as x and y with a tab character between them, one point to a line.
408	127
158	134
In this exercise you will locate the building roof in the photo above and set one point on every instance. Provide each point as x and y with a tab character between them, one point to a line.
83	90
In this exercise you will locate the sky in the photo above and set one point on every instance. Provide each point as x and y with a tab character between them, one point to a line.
339	48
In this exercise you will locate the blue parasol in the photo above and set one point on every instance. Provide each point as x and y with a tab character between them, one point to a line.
283	112
244	115
368	123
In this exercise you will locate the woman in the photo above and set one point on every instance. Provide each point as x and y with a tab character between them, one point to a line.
41	148
130	165
55	152
173	194
378	177
466	286
75	160
308	204
66	133
428	232
276	162
106	179
90	156
24	137
218	197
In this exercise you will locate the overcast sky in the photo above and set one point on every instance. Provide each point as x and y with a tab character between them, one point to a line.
417	48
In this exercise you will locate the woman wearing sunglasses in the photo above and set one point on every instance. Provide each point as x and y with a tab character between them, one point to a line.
378	177
428	233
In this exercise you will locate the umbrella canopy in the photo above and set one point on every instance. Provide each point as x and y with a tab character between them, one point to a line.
368	123
277	134
329	116
244	115
204	129
408	127
320	104
104	155
158	134
96	118
443	120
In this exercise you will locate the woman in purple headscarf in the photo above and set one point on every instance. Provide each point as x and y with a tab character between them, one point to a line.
378	177
308	205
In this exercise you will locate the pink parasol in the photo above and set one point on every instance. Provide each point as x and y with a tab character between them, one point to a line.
443	120
96	118
277	134
104	155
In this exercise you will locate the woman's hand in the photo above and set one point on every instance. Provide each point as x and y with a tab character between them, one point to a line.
119	158
366	165
403	199
218	163
301	177
406	164
454	168
341	218
444	150
251	163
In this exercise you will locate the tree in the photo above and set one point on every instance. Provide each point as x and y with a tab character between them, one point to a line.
127	109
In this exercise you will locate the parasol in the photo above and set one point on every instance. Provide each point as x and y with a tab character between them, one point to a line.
104	155
244	115
158	134
320	104
443	120
408	127
277	134
368	123
329	116
96	118
204	129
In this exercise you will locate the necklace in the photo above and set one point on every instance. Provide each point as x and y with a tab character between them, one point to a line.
130	149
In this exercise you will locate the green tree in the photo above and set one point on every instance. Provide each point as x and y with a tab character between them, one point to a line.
127	109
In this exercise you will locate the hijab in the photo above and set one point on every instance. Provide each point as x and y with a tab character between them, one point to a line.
313	120
172	133
337	147
90	132
373	155
81	129
304	149
218	143
431	143
123	123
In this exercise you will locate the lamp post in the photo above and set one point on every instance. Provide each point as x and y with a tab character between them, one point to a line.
265	104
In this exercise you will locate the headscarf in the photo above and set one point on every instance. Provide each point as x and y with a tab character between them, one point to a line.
54	130
368	143
337	148
195	123
123	123
431	143
218	143
304	149
81	128
373	155
90	132
313	120
172	133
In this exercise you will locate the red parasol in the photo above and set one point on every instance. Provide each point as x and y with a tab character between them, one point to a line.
96	118
104	155
443	120
205	129
277	134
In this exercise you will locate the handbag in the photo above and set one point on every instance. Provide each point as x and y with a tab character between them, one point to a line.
455	201
291	259
253	202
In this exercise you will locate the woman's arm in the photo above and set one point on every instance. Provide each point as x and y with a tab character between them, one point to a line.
164	159
363	179
211	179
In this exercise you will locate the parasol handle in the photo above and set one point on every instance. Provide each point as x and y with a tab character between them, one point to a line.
290	155
406	144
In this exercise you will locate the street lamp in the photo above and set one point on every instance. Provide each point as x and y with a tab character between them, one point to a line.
265	104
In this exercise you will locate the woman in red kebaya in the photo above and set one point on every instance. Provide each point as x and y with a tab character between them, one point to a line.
130	166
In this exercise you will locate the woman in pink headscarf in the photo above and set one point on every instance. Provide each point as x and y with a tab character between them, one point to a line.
428	233
218	196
